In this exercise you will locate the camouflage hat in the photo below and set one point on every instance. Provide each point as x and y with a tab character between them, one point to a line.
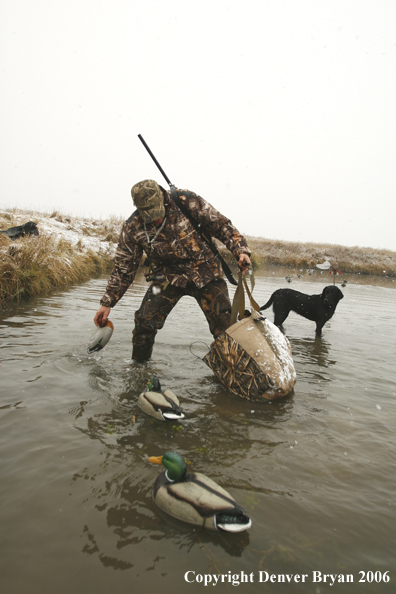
149	200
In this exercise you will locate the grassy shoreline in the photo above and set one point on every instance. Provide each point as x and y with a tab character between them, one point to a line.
66	252
72	250
305	256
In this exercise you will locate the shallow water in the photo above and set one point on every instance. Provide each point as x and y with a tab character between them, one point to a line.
315	471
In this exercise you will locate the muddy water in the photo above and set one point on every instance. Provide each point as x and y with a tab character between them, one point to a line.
316	471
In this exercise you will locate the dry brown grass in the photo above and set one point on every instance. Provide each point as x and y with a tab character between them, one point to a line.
35	265
296	255
108	230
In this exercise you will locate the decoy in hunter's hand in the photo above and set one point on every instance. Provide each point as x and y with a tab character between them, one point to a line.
160	404
195	498
101	337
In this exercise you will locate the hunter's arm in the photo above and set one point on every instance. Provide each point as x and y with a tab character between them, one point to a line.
125	265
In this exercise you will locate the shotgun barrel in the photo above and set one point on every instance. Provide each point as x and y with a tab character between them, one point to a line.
168	181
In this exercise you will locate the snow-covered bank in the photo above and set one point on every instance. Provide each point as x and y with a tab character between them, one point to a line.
84	234
67	250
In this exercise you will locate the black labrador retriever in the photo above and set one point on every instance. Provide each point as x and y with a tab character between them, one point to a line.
318	308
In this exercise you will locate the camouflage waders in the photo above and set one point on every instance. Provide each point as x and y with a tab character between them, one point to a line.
213	299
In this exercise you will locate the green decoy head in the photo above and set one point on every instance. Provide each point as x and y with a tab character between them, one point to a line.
174	463
154	384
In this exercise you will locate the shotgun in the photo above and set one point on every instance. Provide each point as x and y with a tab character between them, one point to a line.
175	197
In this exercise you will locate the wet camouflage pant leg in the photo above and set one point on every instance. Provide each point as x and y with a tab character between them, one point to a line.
151	315
213	299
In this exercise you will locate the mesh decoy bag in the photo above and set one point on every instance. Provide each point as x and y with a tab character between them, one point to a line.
253	358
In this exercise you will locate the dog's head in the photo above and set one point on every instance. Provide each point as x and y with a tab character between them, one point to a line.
331	295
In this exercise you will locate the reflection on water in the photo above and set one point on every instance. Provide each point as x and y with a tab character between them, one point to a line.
314	355
314	470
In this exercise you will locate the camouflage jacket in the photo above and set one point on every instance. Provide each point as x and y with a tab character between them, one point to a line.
178	252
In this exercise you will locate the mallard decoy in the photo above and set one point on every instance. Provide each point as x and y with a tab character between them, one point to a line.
101	338
162	405
195	498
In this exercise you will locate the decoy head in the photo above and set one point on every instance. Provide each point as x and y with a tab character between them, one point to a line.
154	384
174	463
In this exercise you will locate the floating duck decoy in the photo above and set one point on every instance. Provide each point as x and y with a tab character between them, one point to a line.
101	338
195	498
160	404
333	268
325	266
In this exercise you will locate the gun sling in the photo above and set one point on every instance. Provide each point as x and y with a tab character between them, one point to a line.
175	194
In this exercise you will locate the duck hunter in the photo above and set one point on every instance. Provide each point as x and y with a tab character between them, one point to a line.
174	228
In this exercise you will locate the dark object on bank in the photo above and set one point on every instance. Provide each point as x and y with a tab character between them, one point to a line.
29	228
318	308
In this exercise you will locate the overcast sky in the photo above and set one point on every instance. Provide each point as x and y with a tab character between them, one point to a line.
280	113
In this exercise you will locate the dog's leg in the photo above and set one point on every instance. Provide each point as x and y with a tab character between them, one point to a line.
280	316
319	326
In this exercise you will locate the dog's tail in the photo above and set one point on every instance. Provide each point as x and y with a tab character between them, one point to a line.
268	304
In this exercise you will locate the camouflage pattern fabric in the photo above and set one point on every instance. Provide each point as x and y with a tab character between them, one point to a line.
149	200
178	252
238	371
159	301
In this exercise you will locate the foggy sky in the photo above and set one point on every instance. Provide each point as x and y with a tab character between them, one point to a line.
280	113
